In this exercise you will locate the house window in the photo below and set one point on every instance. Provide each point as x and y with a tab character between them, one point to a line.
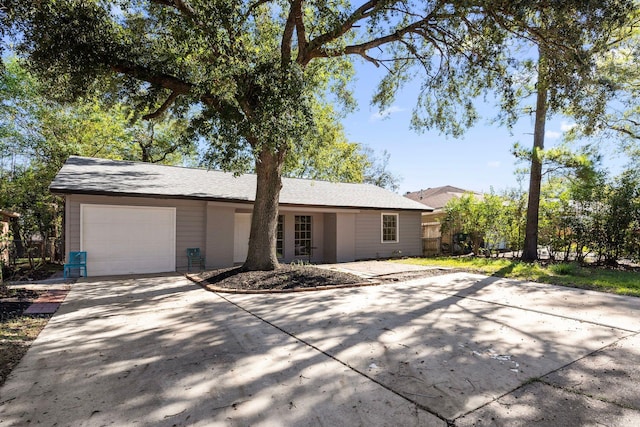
389	228
302	237
280	237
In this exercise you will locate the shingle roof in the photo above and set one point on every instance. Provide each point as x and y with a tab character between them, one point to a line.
83	175
439	196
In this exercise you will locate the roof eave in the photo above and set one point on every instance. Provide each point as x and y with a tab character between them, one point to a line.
67	191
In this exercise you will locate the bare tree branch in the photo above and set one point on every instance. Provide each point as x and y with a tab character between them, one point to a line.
313	45
166	104
625	131
316	47
301	32
362	48
176	85
166	153
287	35
162	80
253	7
181	5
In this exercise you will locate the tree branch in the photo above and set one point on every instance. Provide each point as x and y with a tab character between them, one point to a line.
362	48
166	153
625	131
316	49
287	34
301	32
253	7
167	103
360	13
174	84
181	5
162	80
526	31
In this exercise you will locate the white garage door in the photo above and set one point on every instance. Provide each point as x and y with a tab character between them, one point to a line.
128	239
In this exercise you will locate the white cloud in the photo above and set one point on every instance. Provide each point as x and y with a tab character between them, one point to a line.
551	134
566	126
385	113
494	164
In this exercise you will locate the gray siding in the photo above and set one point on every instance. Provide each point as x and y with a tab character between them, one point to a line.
368	240
220	227
337	237
190	221
330	238
346	237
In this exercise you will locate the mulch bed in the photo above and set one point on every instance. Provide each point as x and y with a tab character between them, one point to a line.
294	277
287	277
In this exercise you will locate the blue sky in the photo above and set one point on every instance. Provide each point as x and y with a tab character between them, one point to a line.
481	159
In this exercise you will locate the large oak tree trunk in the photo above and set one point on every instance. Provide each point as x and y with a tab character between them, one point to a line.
530	252
262	239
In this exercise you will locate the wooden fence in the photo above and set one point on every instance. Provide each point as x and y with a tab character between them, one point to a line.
431	246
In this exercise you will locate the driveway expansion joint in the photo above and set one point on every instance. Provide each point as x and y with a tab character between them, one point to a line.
531	310
589	395
540	380
357	371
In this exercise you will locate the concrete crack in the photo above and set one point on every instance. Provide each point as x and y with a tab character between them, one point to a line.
450	423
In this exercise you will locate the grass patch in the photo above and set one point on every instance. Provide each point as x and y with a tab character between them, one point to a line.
16	335
621	282
23	328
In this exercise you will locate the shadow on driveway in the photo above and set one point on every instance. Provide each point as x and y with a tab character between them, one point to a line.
457	349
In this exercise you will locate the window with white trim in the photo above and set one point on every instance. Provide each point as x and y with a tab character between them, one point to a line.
302	235
389	225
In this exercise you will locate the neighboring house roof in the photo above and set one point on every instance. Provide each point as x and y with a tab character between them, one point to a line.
438	197
83	175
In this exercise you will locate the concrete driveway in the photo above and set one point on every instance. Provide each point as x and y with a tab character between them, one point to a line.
457	350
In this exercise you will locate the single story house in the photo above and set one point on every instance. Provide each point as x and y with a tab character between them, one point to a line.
135	217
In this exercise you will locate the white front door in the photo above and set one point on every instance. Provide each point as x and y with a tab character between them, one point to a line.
242	228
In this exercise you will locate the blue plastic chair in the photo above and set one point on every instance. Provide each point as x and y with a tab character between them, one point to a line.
77	260
194	257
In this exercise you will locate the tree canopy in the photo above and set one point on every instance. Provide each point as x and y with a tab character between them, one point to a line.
617	69
38	134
